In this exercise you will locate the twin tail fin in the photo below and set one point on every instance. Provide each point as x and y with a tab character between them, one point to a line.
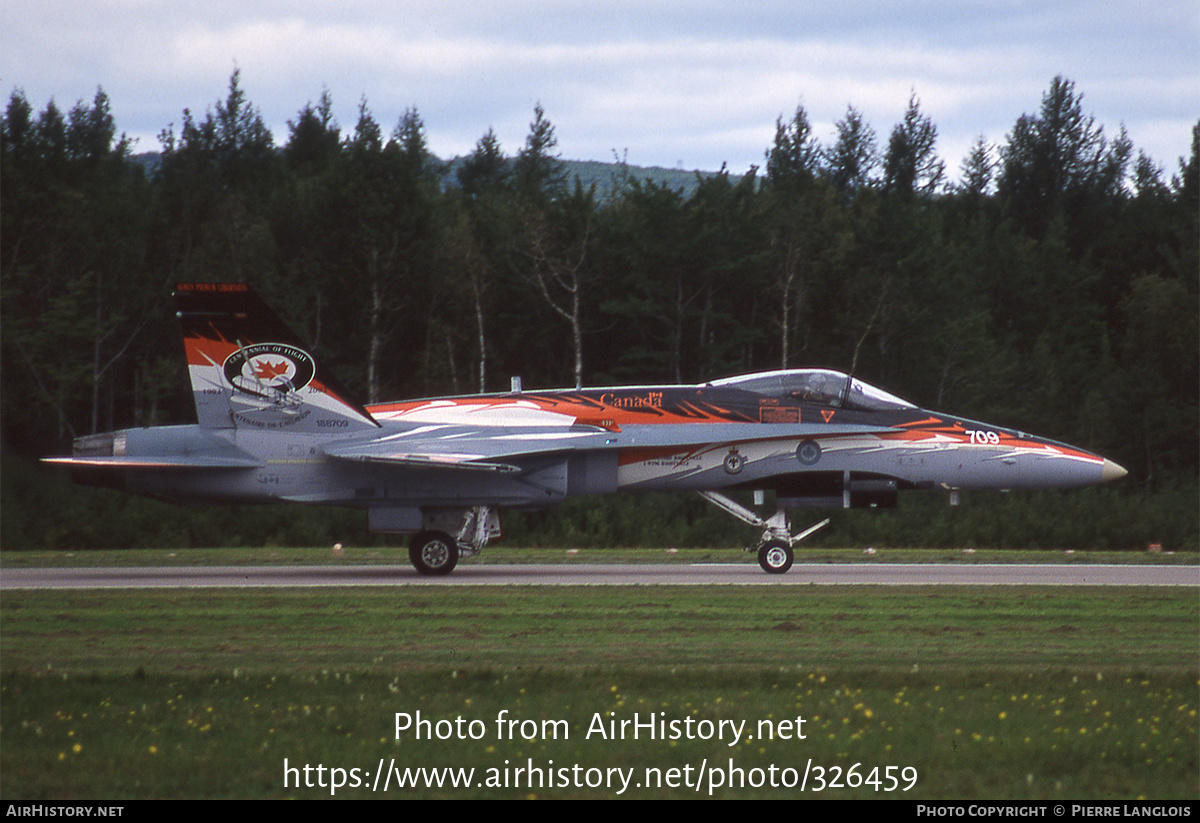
250	371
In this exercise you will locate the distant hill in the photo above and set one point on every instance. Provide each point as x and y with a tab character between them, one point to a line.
147	161
606	177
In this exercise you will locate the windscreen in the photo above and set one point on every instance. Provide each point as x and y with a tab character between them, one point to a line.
821	386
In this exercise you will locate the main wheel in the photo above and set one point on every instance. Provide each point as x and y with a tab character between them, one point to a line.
433	553
775	557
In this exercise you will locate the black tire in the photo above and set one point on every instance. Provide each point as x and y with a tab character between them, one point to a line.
433	553
775	557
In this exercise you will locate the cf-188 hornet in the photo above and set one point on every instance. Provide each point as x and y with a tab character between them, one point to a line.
274	426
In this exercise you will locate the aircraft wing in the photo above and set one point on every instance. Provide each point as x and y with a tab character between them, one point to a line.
471	448
499	448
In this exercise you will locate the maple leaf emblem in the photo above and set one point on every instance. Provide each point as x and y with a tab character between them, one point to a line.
264	370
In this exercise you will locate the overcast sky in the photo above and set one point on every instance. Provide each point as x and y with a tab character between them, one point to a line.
691	84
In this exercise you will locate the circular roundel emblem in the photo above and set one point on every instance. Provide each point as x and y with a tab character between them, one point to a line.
808	452
734	462
268	368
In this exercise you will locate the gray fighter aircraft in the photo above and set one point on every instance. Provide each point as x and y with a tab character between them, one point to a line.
273	426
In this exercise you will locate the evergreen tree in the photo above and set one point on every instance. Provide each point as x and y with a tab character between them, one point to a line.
798	218
480	235
537	172
485	169
76	288
910	166
313	137
978	170
852	158
1187	183
794	158
1058	164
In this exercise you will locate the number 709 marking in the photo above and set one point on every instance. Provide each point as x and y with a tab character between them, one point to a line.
986	438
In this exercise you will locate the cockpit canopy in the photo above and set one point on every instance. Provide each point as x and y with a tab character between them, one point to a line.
821	386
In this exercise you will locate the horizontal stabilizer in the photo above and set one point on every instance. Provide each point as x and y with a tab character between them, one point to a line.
154	462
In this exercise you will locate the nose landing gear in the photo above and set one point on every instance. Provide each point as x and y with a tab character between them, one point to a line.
774	547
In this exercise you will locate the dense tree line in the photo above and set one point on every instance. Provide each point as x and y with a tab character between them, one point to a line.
1053	288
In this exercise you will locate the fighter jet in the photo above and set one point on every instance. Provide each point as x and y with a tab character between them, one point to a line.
273	426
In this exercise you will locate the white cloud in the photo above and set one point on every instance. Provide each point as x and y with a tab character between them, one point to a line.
697	82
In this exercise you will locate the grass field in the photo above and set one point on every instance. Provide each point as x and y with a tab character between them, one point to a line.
952	693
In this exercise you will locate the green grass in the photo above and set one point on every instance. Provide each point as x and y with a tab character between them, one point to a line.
987	692
300	631
988	734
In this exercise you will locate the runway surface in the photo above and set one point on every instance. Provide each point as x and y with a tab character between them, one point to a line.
742	574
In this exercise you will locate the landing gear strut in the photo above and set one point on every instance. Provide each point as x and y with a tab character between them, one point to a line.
449	534
774	547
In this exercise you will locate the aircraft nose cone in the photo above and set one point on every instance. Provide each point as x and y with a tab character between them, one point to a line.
1111	471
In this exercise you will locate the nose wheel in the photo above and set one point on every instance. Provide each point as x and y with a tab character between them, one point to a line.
775	557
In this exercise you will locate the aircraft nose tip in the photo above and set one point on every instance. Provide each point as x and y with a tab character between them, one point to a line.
1111	471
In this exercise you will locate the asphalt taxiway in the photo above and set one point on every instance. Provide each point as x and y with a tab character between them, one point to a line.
571	574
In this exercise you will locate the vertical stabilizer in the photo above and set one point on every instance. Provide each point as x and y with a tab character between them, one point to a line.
249	370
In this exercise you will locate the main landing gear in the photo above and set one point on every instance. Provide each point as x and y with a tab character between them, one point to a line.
449	534
433	553
774	547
